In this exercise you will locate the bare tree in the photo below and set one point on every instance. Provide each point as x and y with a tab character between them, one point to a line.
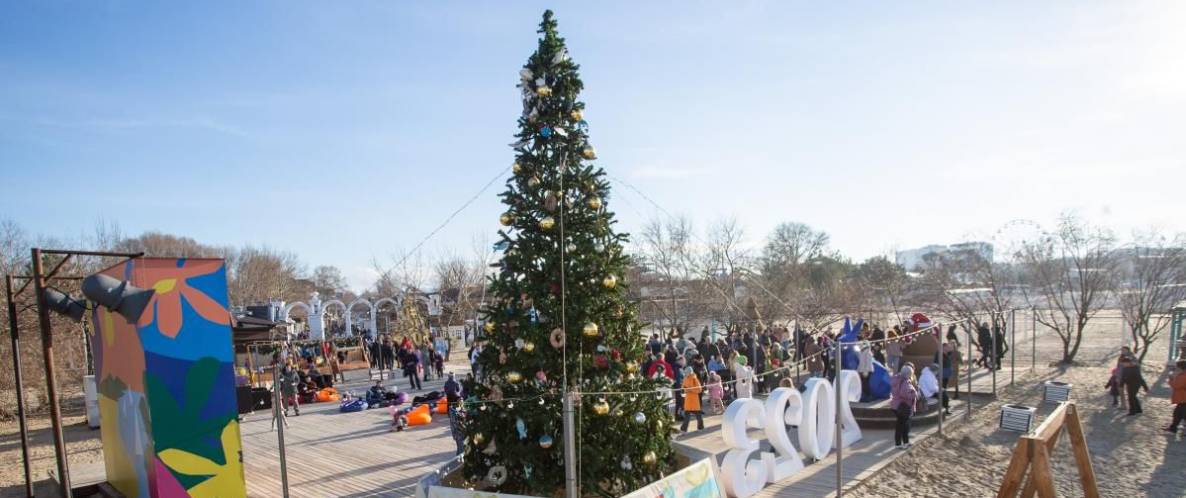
788	250
1153	279
407	271
668	255
14	247
260	274
879	285
1067	278
723	266
458	279
328	281
966	286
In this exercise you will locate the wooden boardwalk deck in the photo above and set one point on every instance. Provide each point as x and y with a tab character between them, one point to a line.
345	454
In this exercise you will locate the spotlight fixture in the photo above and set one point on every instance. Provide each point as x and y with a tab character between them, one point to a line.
119	296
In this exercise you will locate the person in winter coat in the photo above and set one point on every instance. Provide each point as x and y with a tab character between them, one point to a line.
760	358
865	368
952	359
745	378
1114	386
716	394
1133	381
893	354
1178	397
1001	347
657	364
691	387
676	384
984	341
288	389
453	398
815	361
412	369
903	396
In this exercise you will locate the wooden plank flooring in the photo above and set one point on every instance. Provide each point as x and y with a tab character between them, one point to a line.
345	454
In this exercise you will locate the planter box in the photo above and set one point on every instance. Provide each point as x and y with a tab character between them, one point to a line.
697	479
1017	418
1056	392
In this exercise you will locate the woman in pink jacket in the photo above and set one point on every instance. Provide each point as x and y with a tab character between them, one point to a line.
903	396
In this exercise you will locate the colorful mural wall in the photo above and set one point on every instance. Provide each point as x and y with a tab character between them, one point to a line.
166	384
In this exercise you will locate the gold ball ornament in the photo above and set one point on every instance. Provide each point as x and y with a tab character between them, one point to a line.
506	219
516	168
490	327
533	182
649	458
590	330
479	438
544	91
601	407
589	152
514	377
594	203
528	346
609	282
547	223
577	115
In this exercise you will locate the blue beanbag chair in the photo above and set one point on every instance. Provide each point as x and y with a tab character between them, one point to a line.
354	405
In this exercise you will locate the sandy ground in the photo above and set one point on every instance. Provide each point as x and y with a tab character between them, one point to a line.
82	447
1131	456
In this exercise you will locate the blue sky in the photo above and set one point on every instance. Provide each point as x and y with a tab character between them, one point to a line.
345	132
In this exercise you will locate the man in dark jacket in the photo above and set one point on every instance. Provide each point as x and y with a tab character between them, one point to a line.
1130	376
1001	346
984	341
411	369
453	396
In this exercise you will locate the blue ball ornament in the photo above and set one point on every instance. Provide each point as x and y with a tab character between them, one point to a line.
545	442
545	132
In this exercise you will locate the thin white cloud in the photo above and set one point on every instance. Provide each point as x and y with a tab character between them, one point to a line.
127	124
666	173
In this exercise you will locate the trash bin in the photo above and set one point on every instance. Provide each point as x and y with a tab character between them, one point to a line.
1056	392
1017	418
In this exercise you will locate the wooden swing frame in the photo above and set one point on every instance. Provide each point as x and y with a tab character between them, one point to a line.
1032	457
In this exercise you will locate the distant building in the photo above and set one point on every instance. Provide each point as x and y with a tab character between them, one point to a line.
914	259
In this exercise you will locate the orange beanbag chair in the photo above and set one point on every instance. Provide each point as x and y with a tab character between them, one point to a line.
418	417
442	407
328	394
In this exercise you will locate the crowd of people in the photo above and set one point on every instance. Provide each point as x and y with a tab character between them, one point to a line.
417	360
745	361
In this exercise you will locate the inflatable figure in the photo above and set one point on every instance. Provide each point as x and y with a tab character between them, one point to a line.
879	381
850	356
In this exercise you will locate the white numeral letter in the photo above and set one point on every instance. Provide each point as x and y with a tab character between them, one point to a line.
741	476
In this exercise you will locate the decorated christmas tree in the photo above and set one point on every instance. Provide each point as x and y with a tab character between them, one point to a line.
560	314
410	324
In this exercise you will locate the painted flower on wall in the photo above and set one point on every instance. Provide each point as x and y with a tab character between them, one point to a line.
171	286
225	479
